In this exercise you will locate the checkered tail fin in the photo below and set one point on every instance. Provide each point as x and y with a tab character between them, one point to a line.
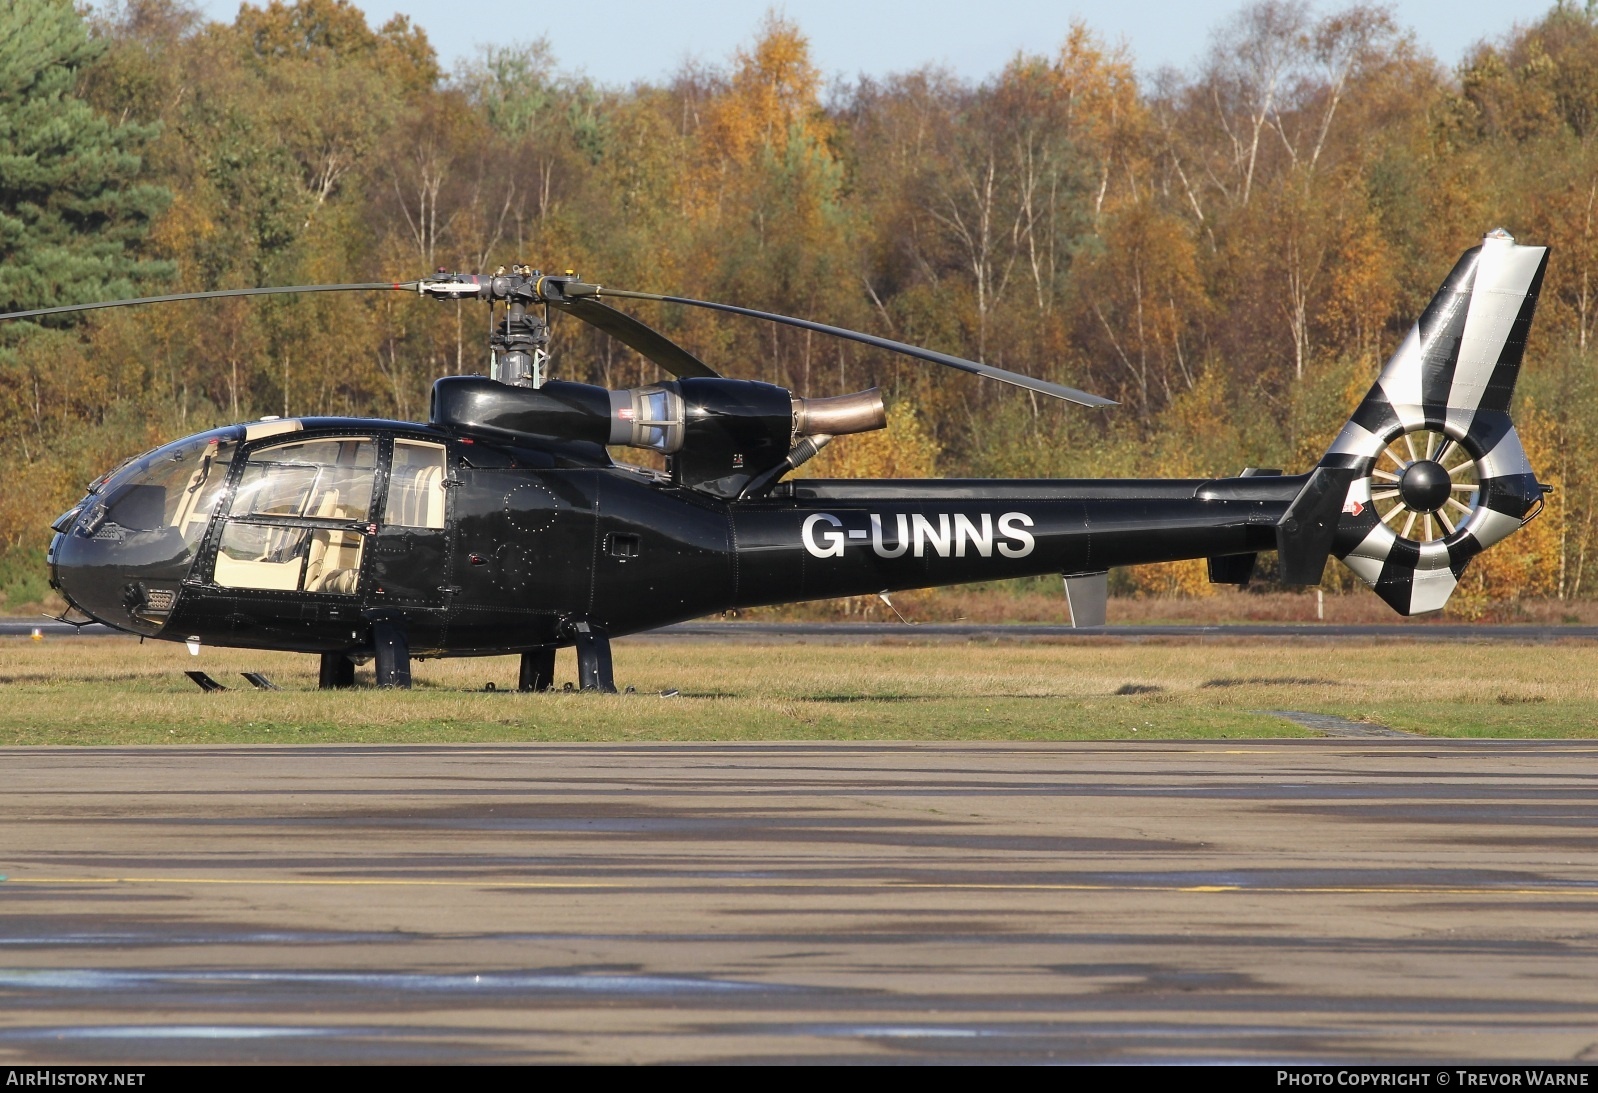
1440	475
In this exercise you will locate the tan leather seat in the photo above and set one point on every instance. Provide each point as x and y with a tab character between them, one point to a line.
341	582
316	563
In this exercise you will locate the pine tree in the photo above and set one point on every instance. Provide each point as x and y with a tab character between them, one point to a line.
72	206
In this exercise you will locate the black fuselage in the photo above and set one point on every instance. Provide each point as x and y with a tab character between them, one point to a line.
526	543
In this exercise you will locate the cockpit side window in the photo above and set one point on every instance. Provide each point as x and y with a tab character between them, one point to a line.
264	546
324	479
416	485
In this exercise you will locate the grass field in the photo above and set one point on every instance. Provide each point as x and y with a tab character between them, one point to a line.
114	691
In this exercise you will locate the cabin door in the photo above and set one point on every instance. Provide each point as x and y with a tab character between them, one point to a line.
411	563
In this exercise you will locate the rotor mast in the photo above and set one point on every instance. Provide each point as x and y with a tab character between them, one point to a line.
518	345
518	349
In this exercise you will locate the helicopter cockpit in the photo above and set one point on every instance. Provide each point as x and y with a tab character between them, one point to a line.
298	519
126	546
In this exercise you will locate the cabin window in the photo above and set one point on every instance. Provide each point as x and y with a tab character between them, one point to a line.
416	485
322	479
284	531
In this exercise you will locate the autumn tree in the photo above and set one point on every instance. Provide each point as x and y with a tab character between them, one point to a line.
1230	250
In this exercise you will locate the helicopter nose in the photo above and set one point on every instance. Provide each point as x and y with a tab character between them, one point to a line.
107	574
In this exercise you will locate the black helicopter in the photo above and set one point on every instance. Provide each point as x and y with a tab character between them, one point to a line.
503	525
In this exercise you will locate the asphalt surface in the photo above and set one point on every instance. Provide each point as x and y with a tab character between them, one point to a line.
1269	901
878	631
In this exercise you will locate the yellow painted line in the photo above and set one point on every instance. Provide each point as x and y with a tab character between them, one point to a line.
1196	889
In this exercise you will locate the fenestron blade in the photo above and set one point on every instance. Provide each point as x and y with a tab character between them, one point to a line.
1042	387
218	294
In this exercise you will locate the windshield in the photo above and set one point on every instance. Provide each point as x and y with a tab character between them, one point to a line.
175	487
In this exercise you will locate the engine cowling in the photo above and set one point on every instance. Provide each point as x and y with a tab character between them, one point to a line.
717	434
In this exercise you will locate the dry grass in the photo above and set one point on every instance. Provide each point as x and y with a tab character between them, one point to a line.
1041	600
108	691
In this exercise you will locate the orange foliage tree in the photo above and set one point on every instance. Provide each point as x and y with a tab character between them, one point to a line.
1230	251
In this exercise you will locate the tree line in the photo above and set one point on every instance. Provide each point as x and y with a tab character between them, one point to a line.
1230	251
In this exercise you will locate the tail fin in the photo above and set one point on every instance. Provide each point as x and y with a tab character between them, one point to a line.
1441	474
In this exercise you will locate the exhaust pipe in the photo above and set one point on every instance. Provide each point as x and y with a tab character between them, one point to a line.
840	415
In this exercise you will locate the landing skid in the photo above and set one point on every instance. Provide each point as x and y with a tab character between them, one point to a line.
595	671
538	671
338	672
205	682
392	664
260	682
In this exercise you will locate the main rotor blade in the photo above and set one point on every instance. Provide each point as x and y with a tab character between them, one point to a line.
1042	387
216	295
630	332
